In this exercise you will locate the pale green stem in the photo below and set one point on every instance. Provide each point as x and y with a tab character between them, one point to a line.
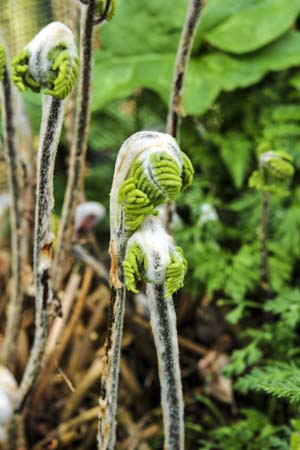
163	322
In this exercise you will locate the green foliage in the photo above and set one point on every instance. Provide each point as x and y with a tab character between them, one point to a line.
281	380
244	26
253	432
129	62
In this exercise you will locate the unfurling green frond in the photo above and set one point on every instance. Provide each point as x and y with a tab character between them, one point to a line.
2	61
134	265
277	165
63	73
152	257
21	75
154	180
175	272
187	171
48	64
275	171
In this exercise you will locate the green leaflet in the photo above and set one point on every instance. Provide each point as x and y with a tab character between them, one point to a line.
175	272
62	74
153	181
2	61
136	264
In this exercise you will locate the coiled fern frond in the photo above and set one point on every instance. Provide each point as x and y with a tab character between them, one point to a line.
152	257
53	69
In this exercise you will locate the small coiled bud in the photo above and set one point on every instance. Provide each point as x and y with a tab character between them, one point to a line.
152	257
49	63
2	61
276	165
275	171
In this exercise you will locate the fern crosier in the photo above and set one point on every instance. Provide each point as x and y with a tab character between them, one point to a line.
276	165
154	180
2	62
48	64
152	257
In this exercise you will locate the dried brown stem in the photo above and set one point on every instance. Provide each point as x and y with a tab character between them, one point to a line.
58	352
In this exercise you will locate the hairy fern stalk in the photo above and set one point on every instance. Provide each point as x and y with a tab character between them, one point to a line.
152	257
14	170
150	170
49	65
105	10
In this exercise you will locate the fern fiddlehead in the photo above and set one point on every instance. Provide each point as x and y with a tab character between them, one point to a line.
49	69
152	257
150	170
49	65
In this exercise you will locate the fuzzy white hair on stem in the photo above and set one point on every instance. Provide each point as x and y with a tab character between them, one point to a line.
150	170
48	64
152	257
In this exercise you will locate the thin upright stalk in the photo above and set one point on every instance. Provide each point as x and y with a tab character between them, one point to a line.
13	163
110	378
182	59
181	64
264	242
79	145
125	217
163	322
52	118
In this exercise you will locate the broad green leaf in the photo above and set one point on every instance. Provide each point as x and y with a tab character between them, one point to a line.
144	27
244	26
119	76
217	71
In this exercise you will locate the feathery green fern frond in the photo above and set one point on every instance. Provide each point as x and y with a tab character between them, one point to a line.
281	380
